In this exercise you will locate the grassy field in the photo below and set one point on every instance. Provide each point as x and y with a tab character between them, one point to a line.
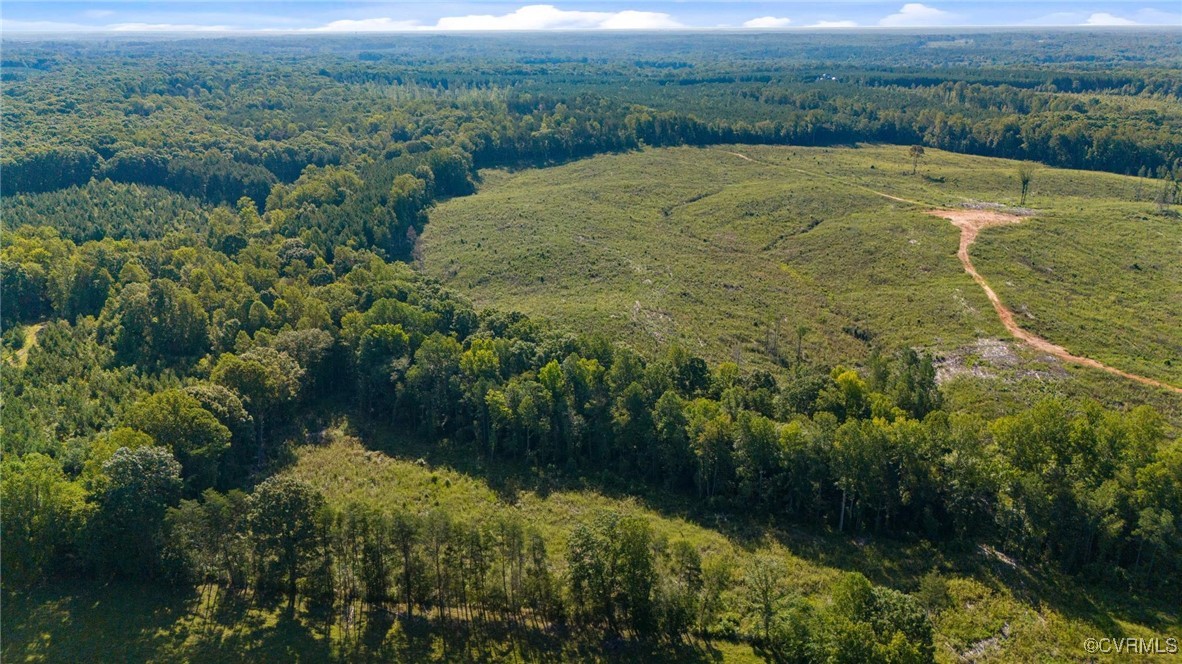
1107	279
728	255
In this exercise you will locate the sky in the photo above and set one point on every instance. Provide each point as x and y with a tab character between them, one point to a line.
317	16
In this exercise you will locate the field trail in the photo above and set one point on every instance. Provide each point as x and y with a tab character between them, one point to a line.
970	222
814	174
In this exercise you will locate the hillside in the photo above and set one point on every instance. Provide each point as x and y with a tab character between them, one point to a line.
985	607
729	250
989	608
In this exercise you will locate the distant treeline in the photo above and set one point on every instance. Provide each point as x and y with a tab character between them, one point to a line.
219	128
1055	132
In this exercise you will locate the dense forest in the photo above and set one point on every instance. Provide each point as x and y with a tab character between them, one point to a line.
203	267
183	118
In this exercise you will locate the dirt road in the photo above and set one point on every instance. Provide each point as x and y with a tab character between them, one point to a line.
970	223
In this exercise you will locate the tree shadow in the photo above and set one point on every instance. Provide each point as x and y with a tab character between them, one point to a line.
77	622
428	640
128	622
254	635
506	477
895	560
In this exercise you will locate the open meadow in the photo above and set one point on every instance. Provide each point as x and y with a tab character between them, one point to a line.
748	253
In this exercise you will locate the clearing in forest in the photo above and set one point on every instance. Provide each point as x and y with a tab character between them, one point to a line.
739	253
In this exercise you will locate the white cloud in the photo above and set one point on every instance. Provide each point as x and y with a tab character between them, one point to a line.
383	24
634	20
98	13
1104	18
549	17
529	17
1100	19
834	24
915	14
767	22
166	27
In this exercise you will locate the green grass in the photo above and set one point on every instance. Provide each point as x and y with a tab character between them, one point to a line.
1107	278
710	250
115	622
721	254
130	623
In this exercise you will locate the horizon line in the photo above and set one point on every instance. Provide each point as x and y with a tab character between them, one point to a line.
307	32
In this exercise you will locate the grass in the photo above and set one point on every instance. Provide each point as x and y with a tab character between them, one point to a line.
127	623
130	623
1108	278
728	255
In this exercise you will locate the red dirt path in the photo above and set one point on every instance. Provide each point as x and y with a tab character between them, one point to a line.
970	222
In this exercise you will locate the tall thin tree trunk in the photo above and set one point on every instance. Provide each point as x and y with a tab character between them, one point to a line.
841	523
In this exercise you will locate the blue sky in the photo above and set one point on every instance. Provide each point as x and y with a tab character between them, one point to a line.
129	16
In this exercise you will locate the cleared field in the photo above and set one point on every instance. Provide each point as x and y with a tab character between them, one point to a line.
1105	280
729	250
